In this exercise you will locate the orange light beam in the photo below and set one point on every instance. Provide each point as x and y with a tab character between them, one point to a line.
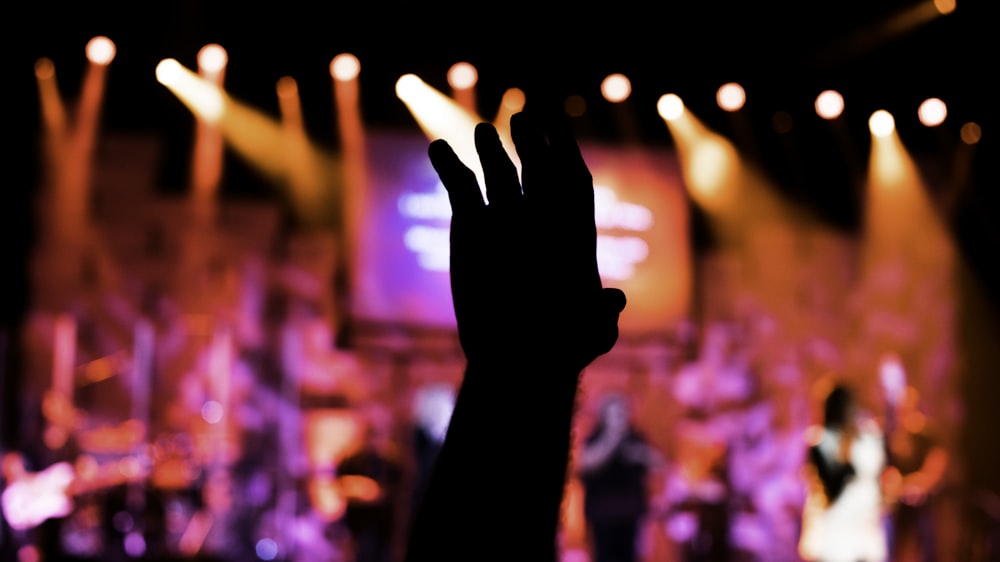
462	77
344	70
207	152
258	138
53	110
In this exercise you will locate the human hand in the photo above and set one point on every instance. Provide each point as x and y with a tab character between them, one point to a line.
524	271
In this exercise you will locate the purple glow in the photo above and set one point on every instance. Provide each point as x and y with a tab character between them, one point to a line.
404	254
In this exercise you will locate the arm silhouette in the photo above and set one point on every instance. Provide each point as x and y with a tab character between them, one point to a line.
531	314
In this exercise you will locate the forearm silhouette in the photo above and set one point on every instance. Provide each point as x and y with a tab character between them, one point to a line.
531	314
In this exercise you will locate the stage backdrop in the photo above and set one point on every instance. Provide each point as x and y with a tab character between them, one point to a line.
402	261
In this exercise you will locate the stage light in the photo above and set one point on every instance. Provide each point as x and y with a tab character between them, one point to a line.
945	7
44	69
616	88
710	163
201	96
287	88
575	105
970	133
513	100
670	106
782	122
932	112
52	108
462	76
168	72
441	117
100	50
212	58
731	96
829	104
345	67
408	86
881	123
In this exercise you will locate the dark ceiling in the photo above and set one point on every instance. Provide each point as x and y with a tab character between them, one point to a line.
880	55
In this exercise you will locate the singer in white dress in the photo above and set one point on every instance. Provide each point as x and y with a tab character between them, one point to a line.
843	517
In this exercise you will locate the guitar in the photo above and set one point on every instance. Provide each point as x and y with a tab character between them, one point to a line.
31	498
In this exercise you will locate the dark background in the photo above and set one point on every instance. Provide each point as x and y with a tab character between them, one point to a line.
783	52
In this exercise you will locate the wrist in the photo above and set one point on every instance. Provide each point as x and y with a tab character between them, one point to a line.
522	374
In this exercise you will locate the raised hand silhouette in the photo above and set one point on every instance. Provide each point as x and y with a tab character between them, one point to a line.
523	266
531	314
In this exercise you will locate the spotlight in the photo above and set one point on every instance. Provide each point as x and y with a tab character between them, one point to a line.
970	133
44	68
932	112
287	87
100	50
345	67
670	106
408	85
944	7
199	94
513	99
168	72
829	104
616	88
462	76
731	97
881	123
212	58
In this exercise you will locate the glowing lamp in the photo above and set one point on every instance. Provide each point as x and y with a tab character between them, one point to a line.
168	72
881	123
670	106
345	67
616	88
100	50
462	76
829	104
731	96
932	112
212	58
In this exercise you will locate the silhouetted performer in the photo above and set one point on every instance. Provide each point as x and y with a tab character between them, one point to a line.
614	466
531	315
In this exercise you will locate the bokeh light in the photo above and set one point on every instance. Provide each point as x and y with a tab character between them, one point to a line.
575	105
616	88
932	112
462	76
44	68
212	58
345	67
100	50
168	72
945	7
731	96
881	123
407	85
782	122
829	104
970	133
670	106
